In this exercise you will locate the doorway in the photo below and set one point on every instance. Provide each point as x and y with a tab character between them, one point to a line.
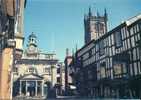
31	88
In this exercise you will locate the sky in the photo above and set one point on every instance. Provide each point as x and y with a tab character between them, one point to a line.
58	24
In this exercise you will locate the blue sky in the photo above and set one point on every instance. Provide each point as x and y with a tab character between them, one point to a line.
59	23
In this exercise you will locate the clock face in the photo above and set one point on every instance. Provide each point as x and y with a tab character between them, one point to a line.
31	48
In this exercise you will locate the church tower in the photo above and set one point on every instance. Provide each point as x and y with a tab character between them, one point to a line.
95	25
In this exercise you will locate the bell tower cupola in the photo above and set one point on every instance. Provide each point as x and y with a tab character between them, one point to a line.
32	47
32	40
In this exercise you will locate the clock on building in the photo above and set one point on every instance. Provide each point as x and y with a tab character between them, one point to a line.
32	48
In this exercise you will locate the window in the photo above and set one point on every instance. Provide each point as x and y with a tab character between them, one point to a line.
99	27
58	70
58	80
102	70
139	26
132	41
101	46
118	39
135	69
31	70
119	69
86	56
131	31
47	71
134	55
15	69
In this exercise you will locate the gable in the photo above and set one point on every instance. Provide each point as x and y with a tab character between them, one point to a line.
31	77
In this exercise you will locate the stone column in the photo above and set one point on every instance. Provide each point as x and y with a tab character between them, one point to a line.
42	88
20	89
26	88
36	87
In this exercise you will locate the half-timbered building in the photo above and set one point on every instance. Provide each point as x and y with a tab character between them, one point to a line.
110	66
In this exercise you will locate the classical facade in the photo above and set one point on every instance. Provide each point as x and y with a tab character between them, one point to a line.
110	66
95	26
35	74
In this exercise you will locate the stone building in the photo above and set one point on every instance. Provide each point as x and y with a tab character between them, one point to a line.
95	25
68	79
110	65
35	74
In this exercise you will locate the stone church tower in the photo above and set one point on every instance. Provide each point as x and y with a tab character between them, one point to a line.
95	26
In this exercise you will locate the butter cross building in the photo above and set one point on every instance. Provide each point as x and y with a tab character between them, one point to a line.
36	72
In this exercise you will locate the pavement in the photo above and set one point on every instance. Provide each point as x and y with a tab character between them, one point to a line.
28	98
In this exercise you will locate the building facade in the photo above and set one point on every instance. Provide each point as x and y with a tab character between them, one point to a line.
68	79
36	73
110	65
8	9
95	25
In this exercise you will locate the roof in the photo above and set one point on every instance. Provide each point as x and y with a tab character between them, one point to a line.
133	19
32	35
125	23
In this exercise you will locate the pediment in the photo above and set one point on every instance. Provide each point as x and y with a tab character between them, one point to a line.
31	77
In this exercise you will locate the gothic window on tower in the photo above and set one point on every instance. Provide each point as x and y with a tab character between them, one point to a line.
96	28
99	27
118	39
